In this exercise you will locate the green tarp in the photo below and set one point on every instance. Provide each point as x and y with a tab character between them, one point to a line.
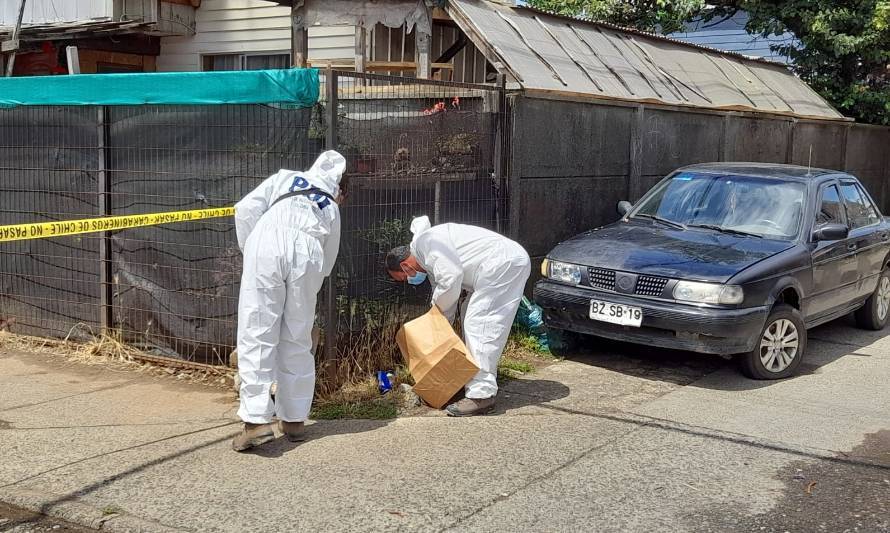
296	87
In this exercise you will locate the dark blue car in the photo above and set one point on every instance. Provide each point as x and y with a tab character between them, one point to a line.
731	259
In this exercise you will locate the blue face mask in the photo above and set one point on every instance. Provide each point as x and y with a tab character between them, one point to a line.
417	278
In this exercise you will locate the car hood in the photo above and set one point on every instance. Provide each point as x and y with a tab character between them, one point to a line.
653	249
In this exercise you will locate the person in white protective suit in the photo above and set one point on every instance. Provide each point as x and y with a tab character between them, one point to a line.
492	269
289	232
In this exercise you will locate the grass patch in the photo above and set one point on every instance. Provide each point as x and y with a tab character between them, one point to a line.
361	400
109	510
510	368
516	366
381	409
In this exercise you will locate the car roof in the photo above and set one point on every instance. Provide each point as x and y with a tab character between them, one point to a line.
766	170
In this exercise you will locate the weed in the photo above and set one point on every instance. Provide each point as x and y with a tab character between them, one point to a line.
359	400
509	368
382	409
517	366
109	510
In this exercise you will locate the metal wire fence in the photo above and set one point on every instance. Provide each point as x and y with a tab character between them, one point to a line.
413	147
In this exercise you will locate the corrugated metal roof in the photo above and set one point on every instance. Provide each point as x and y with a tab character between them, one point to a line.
545	52
76	29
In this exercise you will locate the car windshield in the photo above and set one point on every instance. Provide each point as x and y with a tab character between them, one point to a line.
744	205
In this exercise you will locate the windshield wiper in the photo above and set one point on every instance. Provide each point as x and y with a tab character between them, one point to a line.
721	229
662	220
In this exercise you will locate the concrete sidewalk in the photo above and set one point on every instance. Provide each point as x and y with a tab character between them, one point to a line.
619	439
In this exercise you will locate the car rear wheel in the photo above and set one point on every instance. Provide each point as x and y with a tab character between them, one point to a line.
873	315
780	348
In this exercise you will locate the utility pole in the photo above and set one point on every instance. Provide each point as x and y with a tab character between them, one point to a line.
13	44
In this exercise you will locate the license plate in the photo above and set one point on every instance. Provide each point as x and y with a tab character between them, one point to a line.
624	315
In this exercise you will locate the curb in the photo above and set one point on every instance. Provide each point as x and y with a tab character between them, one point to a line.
71	509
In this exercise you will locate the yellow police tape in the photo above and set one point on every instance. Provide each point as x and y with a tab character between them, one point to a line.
44	230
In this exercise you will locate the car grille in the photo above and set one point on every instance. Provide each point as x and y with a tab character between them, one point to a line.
650	286
601	278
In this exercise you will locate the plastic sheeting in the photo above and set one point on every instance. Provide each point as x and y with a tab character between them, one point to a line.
296	87
367	14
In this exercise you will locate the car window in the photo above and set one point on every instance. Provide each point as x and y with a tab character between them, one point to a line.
765	207
830	207
860	210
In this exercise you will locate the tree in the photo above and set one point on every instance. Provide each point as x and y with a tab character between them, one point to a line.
843	50
665	16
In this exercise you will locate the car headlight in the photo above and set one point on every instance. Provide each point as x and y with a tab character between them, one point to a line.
564	272
708	293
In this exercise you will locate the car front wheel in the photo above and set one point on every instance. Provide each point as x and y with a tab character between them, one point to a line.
780	348
873	315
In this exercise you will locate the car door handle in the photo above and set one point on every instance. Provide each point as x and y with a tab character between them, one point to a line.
852	247
885	236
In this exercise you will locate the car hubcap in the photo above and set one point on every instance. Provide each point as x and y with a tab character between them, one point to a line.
883	298
778	346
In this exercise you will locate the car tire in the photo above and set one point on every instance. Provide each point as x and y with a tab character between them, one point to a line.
874	314
783	335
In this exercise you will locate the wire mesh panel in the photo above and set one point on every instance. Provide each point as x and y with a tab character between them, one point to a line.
413	148
176	285
49	172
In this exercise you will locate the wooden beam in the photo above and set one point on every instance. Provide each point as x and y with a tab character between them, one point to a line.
402	65
440	14
360	48
390	65
299	37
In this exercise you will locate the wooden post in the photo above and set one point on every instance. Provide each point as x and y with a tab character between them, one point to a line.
106	280
331	143
500	155
299	35
360	49
514	180
13	44
422	54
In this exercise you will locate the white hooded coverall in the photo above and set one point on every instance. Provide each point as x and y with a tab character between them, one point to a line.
289	248
493	269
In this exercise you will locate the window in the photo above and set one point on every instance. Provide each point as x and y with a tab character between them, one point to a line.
860	211
830	208
246	61
765	207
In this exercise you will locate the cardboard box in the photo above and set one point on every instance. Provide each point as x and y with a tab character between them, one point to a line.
437	358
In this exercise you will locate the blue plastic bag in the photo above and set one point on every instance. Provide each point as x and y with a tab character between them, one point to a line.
531	318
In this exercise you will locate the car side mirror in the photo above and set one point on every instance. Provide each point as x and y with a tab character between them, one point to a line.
624	207
831	232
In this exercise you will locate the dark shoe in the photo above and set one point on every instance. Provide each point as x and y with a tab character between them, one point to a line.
471	407
293	431
253	435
